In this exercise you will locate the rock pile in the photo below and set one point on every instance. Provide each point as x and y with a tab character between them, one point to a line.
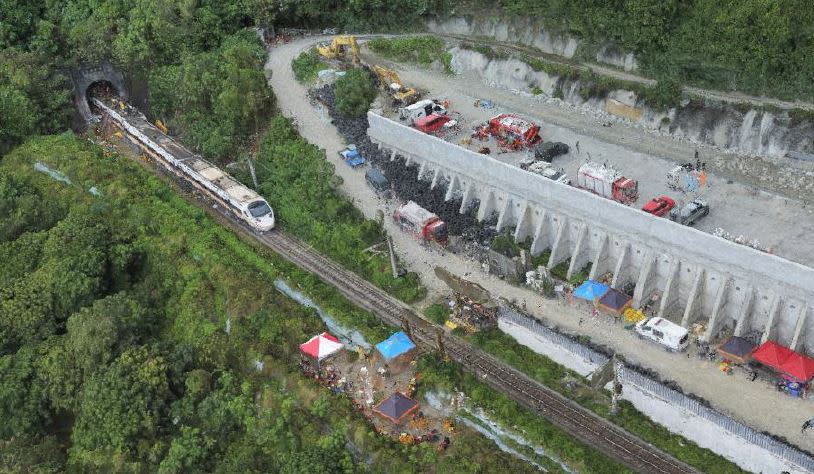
405	178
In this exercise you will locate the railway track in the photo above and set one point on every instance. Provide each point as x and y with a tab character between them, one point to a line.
579	422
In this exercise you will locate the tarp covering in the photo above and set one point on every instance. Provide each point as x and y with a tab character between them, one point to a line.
737	349
614	301
799	366
772	354
590	290
395	345
321	346
396	407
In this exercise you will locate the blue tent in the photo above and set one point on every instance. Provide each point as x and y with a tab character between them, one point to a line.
590	290
395	345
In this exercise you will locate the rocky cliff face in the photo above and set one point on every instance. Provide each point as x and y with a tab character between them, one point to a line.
519	30
770	134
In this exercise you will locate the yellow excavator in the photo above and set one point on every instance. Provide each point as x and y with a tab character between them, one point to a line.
339	48
390	81
344	46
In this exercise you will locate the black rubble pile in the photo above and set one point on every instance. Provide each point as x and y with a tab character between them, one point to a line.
405	179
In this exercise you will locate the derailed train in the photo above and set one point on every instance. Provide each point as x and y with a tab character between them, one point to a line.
244	202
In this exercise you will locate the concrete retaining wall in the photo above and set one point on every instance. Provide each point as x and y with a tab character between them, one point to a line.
695	276
679	413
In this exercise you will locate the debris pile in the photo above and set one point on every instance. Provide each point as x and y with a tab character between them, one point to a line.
405	178
740	239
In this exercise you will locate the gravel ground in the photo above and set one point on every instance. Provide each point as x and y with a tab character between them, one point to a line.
729	394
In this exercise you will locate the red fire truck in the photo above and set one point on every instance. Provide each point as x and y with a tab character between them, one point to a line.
607	182
422	223
516	132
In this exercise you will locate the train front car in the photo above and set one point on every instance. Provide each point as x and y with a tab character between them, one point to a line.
262	215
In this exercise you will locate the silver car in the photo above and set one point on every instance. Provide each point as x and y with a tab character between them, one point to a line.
690	213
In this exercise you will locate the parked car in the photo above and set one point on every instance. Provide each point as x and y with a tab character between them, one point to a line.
666	333
352	157
378	181
659	206
546	170
547	151
691	213
435	124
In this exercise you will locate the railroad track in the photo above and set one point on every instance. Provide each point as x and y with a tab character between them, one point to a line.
579	422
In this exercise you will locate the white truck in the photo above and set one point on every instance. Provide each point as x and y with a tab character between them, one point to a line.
420	109
667	334
420	222
607	182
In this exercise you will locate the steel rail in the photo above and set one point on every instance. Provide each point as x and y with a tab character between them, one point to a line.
576	420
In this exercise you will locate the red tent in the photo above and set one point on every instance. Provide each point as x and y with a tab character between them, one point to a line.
321	346
773	355
799	366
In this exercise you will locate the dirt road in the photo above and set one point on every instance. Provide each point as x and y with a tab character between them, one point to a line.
605	70
732	395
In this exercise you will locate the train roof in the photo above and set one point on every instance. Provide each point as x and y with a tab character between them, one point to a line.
207	170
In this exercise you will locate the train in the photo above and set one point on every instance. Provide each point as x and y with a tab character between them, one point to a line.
245	203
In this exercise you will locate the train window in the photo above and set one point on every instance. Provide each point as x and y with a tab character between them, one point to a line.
259	208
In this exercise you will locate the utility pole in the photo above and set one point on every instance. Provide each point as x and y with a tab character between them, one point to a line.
405	325
616	390
439	338
393	265
251	170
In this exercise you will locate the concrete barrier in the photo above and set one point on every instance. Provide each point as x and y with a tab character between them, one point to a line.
677	412
697	276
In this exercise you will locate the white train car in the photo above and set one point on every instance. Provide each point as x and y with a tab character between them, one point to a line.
244	202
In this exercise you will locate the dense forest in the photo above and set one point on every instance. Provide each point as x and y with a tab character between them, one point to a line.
762	47
137	335
755	46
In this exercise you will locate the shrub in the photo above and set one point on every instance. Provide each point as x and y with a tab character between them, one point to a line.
416	49
665	94
437	313
307	65
354	93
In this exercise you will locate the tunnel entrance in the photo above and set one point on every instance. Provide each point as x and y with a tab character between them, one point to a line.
102	89
96	80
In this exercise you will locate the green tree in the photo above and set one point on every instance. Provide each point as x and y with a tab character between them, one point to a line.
188	452
354	93
22	402
124	406
34	98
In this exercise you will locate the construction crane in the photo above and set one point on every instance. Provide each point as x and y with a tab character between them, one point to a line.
390	81
339	47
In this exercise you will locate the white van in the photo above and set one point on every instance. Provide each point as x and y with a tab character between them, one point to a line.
669	335
420	109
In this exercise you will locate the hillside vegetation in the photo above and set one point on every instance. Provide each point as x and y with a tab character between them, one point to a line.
138	335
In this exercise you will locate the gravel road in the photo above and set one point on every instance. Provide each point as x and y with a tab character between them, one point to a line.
729	394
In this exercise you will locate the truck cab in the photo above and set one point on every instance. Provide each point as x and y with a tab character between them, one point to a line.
667	334
420	222
420	109
625	190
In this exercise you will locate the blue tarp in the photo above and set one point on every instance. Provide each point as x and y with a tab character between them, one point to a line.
395	345
590	290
